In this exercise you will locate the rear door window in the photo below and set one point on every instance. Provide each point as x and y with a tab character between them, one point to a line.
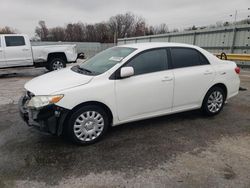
14	41
187	57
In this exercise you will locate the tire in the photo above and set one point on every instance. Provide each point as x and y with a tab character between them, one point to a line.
214	101
81	56
56	64
47	67
87	125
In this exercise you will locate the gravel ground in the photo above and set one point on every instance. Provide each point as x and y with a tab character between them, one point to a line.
181	150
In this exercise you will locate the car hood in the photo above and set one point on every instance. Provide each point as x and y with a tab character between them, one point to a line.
56	81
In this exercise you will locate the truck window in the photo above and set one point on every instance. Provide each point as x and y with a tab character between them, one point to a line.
14	41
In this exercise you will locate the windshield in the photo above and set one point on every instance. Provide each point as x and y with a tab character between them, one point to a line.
105	60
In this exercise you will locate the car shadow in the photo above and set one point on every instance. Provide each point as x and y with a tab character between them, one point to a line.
22	72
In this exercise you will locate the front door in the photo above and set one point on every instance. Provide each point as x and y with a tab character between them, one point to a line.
150	91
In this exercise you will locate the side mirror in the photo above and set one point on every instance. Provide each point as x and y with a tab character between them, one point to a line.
127	72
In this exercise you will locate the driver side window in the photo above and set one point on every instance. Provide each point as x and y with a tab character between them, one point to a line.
149	61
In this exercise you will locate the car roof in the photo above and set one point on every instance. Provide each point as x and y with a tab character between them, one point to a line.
149	45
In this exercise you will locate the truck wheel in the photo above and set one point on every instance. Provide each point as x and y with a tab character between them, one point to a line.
87	125
56	64
214	101
81	56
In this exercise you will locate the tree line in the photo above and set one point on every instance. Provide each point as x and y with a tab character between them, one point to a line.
119	26
7	30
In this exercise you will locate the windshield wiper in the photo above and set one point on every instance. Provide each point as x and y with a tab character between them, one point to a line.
83	69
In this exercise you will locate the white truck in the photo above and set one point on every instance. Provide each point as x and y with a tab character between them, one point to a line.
16	51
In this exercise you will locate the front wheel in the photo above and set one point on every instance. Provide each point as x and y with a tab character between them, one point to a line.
214	101
87	125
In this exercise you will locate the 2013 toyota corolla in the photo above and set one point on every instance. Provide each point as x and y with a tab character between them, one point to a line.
128	83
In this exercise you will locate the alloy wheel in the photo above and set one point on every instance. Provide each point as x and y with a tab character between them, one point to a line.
57	65
215	101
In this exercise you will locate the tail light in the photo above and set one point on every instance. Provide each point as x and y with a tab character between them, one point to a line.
237	70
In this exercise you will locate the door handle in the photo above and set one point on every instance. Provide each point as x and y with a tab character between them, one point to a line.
208	72
223	73
167	78
25	49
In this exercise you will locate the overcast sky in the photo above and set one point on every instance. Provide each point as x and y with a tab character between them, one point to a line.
25	14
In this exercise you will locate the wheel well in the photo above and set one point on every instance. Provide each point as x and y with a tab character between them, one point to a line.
222	86
57	55
103	106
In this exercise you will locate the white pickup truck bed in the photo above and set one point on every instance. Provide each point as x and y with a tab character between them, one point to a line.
16	51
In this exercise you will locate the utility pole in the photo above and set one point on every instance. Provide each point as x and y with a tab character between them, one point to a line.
248	17
235	17
234	31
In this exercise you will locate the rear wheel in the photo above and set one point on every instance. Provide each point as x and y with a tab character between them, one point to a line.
214	101
87	125
56	64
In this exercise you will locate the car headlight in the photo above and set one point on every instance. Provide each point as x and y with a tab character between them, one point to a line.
43	100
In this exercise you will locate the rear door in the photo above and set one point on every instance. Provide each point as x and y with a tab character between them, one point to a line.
17	51
2	60
193	76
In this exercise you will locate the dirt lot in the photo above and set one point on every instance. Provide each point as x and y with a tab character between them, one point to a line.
182	150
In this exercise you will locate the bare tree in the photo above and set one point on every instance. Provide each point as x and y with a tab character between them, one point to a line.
79	31
69	32
122	25
42	30
150	30
140	28
91	33
175	30
161	29
7	30
103	34
56	34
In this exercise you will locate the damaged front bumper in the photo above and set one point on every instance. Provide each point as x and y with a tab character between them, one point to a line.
48	119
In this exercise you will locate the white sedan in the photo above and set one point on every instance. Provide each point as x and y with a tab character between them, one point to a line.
128	83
